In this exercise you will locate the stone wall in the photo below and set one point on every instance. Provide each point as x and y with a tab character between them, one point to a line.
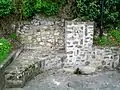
42	32
80	50
73	36
104	57
98	57
79	38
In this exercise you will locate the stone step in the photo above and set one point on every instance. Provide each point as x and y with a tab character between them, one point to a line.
29	64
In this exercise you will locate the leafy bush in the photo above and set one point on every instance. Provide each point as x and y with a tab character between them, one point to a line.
115	34
28	8
90	10
104	40
49	8
6	7
112	38
38	5
5	47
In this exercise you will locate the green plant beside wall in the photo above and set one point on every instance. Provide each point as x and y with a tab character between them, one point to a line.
103	41
49	8
5	47
13	36
111	39
28	8
115	35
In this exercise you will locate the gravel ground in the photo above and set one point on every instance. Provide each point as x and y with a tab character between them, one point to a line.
60	80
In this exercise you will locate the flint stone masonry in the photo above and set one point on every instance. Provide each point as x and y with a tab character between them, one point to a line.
80	50
42	32
76	38
54	43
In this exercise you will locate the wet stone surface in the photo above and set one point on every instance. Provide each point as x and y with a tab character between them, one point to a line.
60	80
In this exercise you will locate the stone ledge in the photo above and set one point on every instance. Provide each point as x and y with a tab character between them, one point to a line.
5	63
29	64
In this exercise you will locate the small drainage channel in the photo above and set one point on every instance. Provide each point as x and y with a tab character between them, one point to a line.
12	56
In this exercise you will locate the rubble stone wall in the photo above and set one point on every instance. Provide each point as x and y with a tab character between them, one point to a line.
75	37
41	33
80	50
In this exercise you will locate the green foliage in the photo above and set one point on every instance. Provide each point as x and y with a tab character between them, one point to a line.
112	39
49	8
13	36
5	47
5	7
103	41
38	5
112	13
46	7
28	8
116	35
90	10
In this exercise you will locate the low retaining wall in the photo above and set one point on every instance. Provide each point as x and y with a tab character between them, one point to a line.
3	65
74	36
98	57
29	64
105	57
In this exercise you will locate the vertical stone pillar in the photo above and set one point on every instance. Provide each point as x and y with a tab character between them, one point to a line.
78	39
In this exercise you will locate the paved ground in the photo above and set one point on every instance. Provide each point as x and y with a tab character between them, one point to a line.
59	80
